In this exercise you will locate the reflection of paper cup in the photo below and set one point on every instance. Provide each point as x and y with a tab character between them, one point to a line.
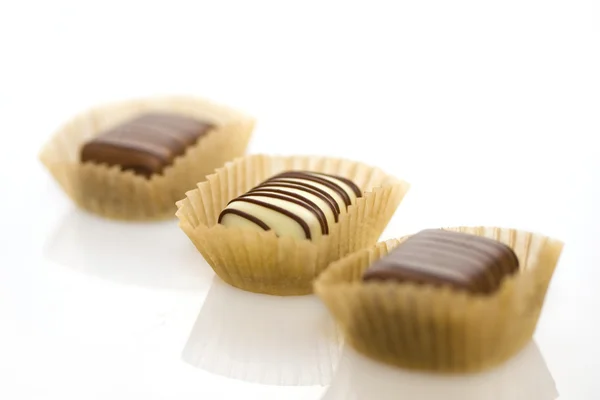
264	263
270	340
438	329
148	254
525	377
117	194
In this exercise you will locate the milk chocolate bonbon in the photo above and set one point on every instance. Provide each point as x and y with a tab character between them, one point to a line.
439	257
146	144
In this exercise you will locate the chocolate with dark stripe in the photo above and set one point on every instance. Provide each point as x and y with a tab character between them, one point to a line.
325	182
309	189
247	216
287	188
438	257
347	181
292	198
283	211
146	144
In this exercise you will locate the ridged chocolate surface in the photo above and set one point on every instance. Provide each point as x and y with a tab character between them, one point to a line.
303	204
469	262
146	144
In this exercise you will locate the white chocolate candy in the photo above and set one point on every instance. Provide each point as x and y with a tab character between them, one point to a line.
300	204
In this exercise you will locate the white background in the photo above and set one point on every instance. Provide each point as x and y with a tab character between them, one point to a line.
490	110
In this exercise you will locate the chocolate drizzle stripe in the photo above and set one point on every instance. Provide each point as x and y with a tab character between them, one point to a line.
434	257
161	130
422	249
295	199
472	247
242	214
347	181
280	210
486	276
325	182
501	257
421	266
158	152
306	187
410	275
191	129
487	245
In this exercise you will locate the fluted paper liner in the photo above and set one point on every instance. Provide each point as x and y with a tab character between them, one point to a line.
439	329
113	193
264	263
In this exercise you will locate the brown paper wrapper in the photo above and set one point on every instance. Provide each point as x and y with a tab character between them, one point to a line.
440	329
263	263
113	193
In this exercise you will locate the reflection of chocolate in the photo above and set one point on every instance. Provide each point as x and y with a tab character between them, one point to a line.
282	341
89	245
299	204
524	377
440	257
146	144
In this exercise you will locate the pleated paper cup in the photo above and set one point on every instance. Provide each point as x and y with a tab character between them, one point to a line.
423	327
114	193
264	263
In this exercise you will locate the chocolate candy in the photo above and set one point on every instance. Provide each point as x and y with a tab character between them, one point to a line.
300	204
146	144
469	262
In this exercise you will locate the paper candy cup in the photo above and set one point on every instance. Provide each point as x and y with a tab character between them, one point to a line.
430	328
113	193
264	263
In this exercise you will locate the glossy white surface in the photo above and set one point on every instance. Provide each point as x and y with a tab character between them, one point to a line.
490	109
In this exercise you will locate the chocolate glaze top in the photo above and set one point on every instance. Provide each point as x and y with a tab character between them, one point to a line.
145	144
438	257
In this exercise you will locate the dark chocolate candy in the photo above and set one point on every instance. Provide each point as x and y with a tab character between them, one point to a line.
146	144
438	257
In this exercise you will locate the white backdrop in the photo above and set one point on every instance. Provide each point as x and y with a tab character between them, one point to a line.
490	109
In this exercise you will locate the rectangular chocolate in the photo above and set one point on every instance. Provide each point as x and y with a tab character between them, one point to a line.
438	257
146	144
299	204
